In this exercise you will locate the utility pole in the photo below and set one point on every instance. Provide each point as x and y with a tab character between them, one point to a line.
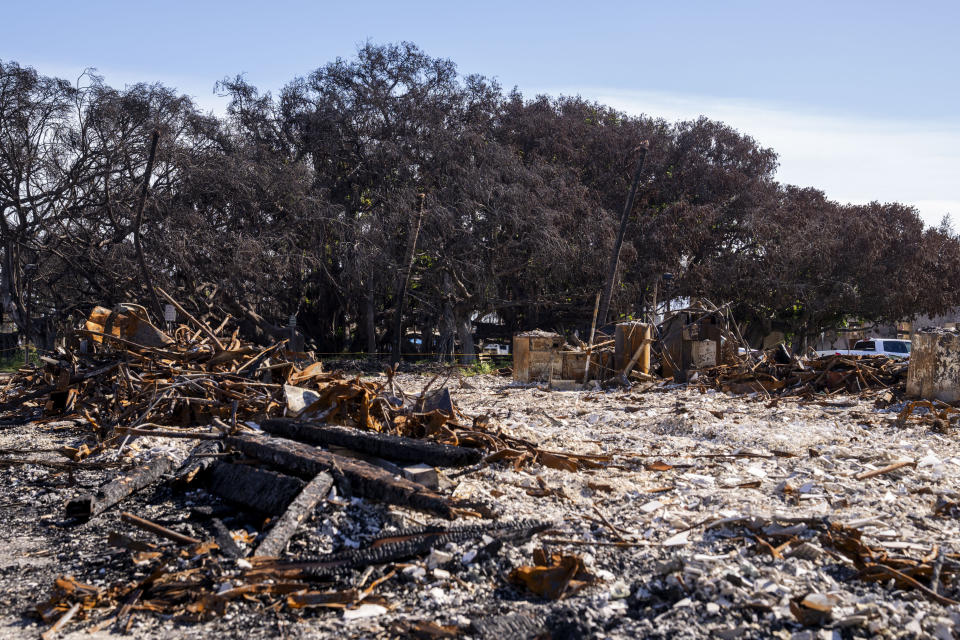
144	272
403	278
624	218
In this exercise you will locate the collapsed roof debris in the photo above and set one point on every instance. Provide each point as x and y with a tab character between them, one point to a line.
130	382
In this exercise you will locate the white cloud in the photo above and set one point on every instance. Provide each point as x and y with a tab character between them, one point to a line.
853	159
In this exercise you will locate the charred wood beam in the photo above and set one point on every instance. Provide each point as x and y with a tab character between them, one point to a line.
258	489
372	443
363	478
91	504
391	467
395	547
298	510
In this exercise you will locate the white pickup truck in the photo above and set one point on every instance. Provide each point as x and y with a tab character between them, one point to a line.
494	349
897	349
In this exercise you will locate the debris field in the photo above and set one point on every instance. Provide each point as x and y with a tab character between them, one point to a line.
184	483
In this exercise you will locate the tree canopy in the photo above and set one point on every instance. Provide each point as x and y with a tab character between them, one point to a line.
387	191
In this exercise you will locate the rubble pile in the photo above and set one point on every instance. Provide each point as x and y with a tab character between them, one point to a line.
127	374
124	388
160	480
278	436
771	372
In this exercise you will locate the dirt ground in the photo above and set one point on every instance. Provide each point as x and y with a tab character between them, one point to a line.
708	515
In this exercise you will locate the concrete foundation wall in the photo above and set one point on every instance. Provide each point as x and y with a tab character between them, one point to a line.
934	372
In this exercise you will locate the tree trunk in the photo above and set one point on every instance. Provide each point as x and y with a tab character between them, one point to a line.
465	333
426	335
653	306
448	324
13	295
347	332
45	335
370	323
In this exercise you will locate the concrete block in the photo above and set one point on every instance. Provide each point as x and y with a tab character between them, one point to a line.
423	474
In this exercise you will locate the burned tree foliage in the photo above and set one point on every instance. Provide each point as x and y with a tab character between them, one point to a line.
388	194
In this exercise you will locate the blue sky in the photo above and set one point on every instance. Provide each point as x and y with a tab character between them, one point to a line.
858	98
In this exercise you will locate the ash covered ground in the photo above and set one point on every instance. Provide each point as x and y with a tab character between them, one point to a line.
714	514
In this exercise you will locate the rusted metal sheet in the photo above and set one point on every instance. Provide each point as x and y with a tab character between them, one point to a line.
629	337
689	342
934	371
126	321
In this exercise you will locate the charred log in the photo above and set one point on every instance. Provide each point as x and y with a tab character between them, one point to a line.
258	489
91	504
201	459
399	546
372	443
221	535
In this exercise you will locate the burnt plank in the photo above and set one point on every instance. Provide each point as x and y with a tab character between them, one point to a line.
123	485
298	510
511	625
394	547
364	479
373	443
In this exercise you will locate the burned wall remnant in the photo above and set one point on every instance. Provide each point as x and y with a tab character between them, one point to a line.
934	372
542	356
536	356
